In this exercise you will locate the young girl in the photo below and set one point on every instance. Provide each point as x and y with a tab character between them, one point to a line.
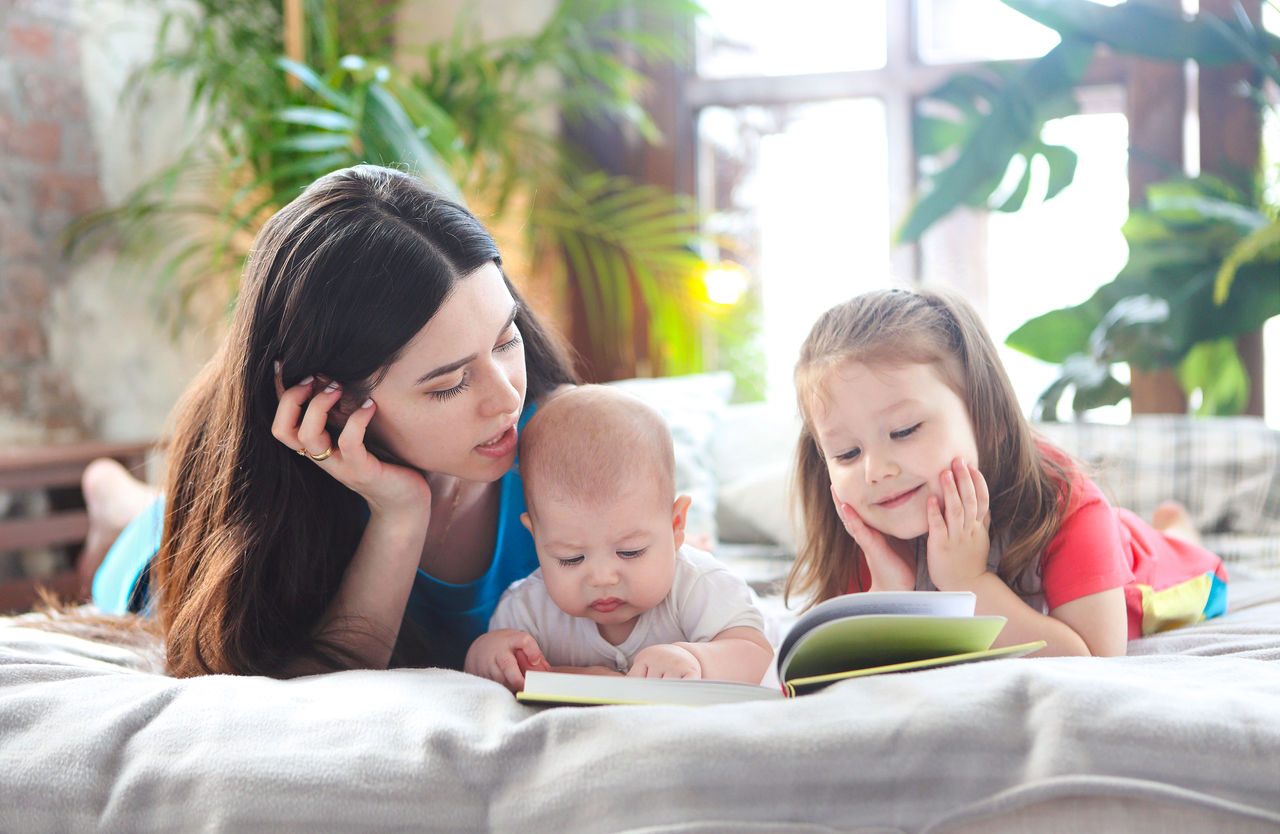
917	470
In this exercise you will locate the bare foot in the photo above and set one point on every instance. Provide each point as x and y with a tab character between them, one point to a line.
1172	519
113	498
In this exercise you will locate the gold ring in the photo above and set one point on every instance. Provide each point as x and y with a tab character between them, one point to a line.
302	451
322	456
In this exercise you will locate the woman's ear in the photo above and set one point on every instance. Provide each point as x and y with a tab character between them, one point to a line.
342	409
679	517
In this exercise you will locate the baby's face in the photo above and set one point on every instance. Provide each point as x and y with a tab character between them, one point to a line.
608	560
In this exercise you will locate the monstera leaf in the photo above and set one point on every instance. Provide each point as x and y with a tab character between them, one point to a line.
1160	311
1204	258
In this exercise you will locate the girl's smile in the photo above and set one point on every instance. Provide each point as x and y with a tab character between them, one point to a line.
895	501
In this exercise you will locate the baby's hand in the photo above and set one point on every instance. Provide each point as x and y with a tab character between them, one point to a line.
504	656
890	570
959	542
665	661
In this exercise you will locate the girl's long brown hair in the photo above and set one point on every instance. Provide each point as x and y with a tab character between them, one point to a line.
1029	488
256	538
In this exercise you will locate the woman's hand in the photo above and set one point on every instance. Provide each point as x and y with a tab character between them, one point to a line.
959	542
892	564
301	423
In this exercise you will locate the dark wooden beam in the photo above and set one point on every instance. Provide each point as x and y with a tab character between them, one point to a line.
1231	147
1157	110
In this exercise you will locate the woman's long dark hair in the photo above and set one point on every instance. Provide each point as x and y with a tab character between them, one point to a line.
257	539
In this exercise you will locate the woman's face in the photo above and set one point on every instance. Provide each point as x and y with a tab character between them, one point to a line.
450	403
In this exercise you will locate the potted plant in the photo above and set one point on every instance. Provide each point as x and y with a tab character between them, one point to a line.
1204	255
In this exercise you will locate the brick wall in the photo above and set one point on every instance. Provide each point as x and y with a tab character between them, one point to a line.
48	175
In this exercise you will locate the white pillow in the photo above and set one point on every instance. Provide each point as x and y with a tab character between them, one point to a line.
756	508
754	449
692	406
751	435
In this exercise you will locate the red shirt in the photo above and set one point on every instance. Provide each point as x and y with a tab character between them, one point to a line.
1098	547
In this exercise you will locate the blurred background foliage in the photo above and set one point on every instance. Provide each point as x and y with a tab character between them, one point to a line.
278	98
1204	253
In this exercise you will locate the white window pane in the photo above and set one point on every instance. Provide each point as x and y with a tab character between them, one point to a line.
952	31
805	190
1055	254
761	37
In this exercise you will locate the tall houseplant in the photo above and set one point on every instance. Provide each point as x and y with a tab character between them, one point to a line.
471	123
1204	256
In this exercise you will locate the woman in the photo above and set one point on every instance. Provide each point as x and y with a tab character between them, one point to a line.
340	490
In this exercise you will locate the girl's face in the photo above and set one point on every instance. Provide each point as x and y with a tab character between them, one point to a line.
887	433
450	403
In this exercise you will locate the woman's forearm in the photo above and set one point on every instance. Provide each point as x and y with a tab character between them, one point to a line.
364	617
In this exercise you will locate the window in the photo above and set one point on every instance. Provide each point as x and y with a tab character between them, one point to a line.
804	156
804	185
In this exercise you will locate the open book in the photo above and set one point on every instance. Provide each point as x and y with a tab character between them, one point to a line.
845	637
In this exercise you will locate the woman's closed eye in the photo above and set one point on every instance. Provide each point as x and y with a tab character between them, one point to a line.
510	344
450	393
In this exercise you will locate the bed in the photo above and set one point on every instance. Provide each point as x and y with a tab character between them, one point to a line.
1183	734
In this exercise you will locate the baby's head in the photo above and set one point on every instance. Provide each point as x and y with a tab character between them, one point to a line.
599	480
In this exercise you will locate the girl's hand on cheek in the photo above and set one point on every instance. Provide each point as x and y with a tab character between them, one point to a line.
302	423
891	570
959	542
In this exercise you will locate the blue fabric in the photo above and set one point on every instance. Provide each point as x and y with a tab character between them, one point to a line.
1216	604
117	588
454	615
451	616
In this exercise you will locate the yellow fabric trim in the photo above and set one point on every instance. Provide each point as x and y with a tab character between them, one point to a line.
1175	606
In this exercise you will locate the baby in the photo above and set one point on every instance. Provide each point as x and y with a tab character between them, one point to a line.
617	590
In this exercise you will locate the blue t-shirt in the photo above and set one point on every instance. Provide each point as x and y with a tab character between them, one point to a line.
450	616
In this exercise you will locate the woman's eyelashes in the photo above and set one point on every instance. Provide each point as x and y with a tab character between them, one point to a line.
465	383
509	344
450	393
